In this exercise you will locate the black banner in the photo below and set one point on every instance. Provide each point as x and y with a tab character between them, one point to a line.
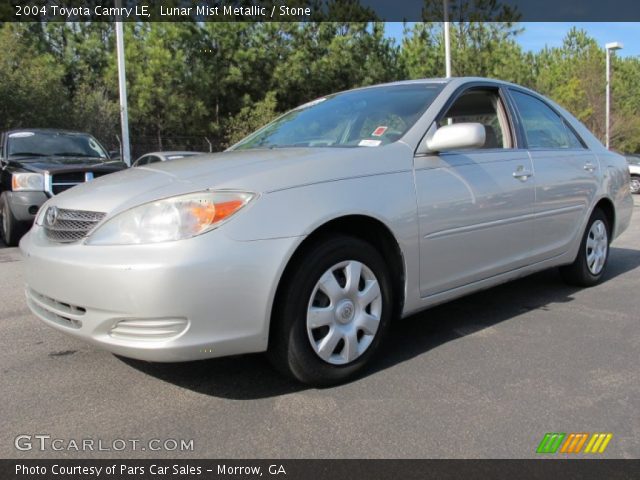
584	469
319	10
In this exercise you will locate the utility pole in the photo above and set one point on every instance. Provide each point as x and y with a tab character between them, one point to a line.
122	87
447	40
609	47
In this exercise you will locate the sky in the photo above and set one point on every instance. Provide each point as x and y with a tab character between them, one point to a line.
537	35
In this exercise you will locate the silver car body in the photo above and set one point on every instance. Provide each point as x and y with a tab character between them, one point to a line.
463	221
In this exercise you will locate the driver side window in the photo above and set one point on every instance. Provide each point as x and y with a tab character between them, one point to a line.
484	107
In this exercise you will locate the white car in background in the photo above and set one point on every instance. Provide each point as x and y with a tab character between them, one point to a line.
309	236
634	171
155	157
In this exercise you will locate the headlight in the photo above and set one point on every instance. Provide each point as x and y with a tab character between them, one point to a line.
42	211
170	219
27	182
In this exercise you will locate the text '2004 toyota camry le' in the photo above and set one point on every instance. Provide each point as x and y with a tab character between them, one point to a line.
306	238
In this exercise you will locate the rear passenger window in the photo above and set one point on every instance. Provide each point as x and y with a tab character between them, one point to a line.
543	127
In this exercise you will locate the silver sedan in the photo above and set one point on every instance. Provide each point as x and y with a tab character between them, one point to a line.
309	236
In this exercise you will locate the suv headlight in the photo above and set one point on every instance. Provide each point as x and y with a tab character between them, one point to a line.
170	219
27	182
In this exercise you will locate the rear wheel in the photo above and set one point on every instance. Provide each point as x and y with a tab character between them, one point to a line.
332	313
589	266
635	184
11	230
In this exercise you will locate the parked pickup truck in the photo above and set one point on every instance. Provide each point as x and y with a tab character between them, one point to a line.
39	163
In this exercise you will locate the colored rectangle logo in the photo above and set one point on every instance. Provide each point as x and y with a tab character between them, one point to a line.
573	443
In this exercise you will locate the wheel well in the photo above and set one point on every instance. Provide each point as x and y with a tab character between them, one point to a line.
367	229
609	211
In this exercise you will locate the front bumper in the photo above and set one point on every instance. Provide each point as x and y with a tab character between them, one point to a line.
204	297
24	205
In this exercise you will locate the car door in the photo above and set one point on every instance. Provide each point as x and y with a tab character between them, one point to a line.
567	175
474	206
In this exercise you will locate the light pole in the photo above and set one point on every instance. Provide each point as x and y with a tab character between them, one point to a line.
122	87
609	47
447	41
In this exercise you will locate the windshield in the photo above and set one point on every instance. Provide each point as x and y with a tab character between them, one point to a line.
366	118
633	159
53	144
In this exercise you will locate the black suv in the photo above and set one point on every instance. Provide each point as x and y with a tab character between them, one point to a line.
39	163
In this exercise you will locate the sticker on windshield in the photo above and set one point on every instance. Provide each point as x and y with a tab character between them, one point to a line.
369	143
21	134
378	132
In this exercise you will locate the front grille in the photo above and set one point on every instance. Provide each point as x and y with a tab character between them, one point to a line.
70	225
59	182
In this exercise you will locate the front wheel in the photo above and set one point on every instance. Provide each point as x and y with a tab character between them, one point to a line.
589	266
333	311
635	184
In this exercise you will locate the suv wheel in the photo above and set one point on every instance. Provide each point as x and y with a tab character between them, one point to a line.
11	230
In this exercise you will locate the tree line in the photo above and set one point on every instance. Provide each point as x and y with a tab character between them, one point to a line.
220	81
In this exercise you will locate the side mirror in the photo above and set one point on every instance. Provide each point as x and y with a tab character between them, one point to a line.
457	136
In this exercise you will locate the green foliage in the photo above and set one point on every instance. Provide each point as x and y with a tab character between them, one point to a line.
223	80
251	117
32	93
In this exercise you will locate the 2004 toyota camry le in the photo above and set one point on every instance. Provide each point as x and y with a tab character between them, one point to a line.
309	236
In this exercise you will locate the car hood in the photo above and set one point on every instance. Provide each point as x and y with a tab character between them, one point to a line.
55	164
259	171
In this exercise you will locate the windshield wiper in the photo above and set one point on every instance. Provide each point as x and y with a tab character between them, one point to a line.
77	155
28	154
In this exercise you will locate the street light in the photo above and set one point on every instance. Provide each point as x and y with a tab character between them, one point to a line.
610	47
122	88
447	41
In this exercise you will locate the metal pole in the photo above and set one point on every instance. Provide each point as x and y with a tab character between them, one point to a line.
447	41
607	99
122	86
609	47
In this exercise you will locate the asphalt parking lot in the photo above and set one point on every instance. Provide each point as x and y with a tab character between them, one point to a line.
484	376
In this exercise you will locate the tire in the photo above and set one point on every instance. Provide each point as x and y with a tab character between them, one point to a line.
635	184
584	271
324	339
11	230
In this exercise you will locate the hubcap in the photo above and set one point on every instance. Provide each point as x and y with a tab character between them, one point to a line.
635	185
344	312
597	247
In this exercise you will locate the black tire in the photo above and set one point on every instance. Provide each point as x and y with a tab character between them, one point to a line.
578	272
635	184
290	348
11	230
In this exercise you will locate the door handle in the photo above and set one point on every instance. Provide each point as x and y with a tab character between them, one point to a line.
522	174
589	167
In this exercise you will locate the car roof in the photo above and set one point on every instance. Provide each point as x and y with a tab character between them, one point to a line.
46	130
455	81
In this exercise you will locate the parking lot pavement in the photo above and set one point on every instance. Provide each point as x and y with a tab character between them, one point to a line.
484	376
